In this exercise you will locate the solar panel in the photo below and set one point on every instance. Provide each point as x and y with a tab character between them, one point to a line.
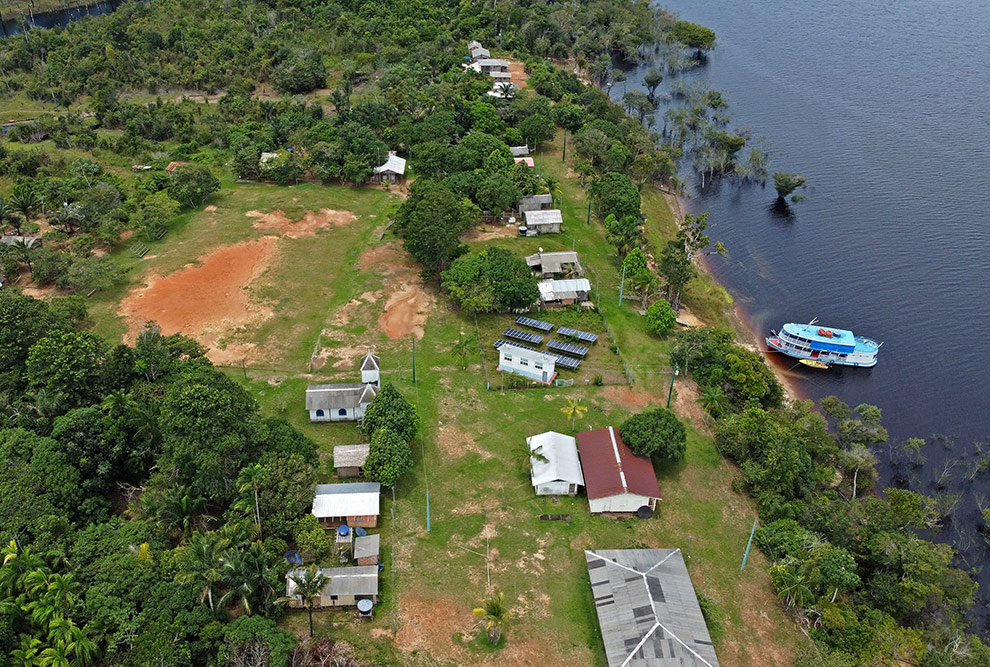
523	336
568	363
582	336
567	348
534	324
500	342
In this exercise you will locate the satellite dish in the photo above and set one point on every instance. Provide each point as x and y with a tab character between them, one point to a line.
644	512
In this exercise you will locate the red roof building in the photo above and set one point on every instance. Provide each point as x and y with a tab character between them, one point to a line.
616	479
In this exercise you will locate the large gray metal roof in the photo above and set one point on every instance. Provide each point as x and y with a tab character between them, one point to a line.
337	396
648	610
360	580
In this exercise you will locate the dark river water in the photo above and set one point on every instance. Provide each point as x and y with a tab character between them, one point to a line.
884	107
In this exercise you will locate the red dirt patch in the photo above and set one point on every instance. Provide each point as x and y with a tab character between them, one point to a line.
518	72
428	624
628	398
408	304
308	225
204	301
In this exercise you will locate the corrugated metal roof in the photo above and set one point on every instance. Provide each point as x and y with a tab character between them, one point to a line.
561	464
394	164
548	217
359	580
351	499
648	610
553	262
350	456
610	467
555	290
369	545
338	396
519	151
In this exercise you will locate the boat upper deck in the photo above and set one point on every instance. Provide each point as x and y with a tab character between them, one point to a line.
841	340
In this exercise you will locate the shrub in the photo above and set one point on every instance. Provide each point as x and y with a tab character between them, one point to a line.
656	433
660	318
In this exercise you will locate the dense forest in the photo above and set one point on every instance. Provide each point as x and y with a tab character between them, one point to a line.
147	502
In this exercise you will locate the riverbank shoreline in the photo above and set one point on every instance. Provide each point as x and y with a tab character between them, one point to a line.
746	334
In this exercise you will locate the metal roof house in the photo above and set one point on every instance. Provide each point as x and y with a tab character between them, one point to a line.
544	221
490	65
556	466
349	459
535	203
563	292
519	151
616	479
367	549
529	363
479	53
551	264
353	503
347	585
392	171
339	402
647	609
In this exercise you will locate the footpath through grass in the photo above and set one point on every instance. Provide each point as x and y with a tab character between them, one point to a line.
466	520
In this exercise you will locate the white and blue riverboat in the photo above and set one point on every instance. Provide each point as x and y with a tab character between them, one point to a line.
821	347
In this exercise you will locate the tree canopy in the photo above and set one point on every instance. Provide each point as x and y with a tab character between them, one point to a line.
491	280
656	433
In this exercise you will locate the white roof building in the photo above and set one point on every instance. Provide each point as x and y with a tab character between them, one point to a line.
564	290
347	500
556	465
393	165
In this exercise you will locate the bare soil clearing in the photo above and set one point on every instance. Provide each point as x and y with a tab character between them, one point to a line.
206	301
308	225
408	305
489	233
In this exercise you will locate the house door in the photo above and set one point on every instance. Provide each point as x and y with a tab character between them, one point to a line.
544	377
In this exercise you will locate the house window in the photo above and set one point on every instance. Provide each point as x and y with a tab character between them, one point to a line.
538	365
508	357
342	412
320	413
524	362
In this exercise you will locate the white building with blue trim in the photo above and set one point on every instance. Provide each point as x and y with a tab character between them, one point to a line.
528	363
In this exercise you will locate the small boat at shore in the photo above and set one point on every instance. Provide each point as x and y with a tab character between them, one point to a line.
821	347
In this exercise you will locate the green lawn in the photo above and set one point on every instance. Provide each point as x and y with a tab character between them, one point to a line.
467	515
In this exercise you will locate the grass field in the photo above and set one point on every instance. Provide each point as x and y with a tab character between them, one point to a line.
465	521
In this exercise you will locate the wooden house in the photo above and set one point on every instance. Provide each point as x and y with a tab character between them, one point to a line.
349	460
345	587
553	264
393	170
367	550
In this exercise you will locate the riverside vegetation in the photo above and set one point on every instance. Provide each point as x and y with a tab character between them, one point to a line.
149	498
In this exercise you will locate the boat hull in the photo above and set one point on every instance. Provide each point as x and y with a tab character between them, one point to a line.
832	347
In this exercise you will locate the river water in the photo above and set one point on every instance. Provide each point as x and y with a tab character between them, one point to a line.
883	107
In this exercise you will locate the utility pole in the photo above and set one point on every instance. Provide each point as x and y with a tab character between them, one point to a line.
414	358
622	285
590	197
670	391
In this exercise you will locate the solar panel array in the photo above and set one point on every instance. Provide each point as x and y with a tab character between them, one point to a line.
534	324
567	348
500	342
523	336
582	336
568	363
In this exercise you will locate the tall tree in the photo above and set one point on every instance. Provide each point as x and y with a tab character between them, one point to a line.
574	410
249	481
390	409
389	457
201	561
309	585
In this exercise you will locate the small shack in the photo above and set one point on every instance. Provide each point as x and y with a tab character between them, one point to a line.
563	292
345	587
527	362
535	203
544	221
351	503
616	479
393	170
172	166
367	550
339	402
556	466
349	460
648	609
519	151
553	264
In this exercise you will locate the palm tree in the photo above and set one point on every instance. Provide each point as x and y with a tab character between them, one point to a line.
176	511
200	560
6	213
247	576
309	584
714	401
493	613
574	410
461	348
250	479
45	404
646	283
791	584
553	187
24	249
70	642
27	204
